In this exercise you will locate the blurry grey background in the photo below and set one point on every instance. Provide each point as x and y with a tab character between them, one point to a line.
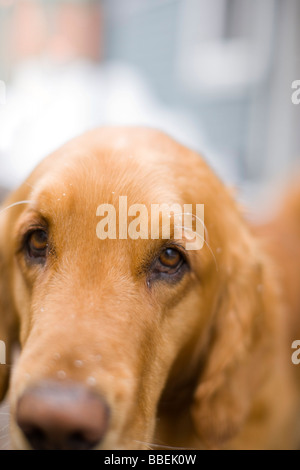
225	65
230	62
216	74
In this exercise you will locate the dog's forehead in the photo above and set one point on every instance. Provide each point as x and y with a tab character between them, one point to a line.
69	187
99	175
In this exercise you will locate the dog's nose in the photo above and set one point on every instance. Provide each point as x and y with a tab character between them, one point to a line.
57	416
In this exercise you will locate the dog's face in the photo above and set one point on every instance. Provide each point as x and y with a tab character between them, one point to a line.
107	325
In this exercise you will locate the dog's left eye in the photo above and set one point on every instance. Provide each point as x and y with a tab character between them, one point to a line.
170	259
36	246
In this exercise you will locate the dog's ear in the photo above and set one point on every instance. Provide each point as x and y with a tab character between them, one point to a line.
8	322
237	343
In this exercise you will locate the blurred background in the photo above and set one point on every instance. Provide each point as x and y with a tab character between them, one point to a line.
215	74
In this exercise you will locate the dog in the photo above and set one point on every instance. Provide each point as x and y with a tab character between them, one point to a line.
139	343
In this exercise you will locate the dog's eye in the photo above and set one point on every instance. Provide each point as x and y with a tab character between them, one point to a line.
36	245
170	259
169	266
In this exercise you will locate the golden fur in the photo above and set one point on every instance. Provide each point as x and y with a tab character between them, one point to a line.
204	363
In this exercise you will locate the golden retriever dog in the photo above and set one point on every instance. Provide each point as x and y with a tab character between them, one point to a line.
139	343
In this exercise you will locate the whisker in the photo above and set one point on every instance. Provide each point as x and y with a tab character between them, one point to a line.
200	220
203	239
206	236
148	446
15	204
161	446
182	214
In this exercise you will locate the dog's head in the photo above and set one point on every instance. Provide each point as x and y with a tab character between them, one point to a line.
111	321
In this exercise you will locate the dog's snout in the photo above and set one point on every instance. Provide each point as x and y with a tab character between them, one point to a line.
56	416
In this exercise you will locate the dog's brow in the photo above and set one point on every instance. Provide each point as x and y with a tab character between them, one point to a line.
16	204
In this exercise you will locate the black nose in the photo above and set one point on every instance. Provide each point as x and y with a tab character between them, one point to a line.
56	416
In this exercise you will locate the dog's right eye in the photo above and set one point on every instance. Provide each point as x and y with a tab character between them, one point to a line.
36	246
169	266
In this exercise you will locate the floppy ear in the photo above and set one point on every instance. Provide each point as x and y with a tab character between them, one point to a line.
238	341
8	322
